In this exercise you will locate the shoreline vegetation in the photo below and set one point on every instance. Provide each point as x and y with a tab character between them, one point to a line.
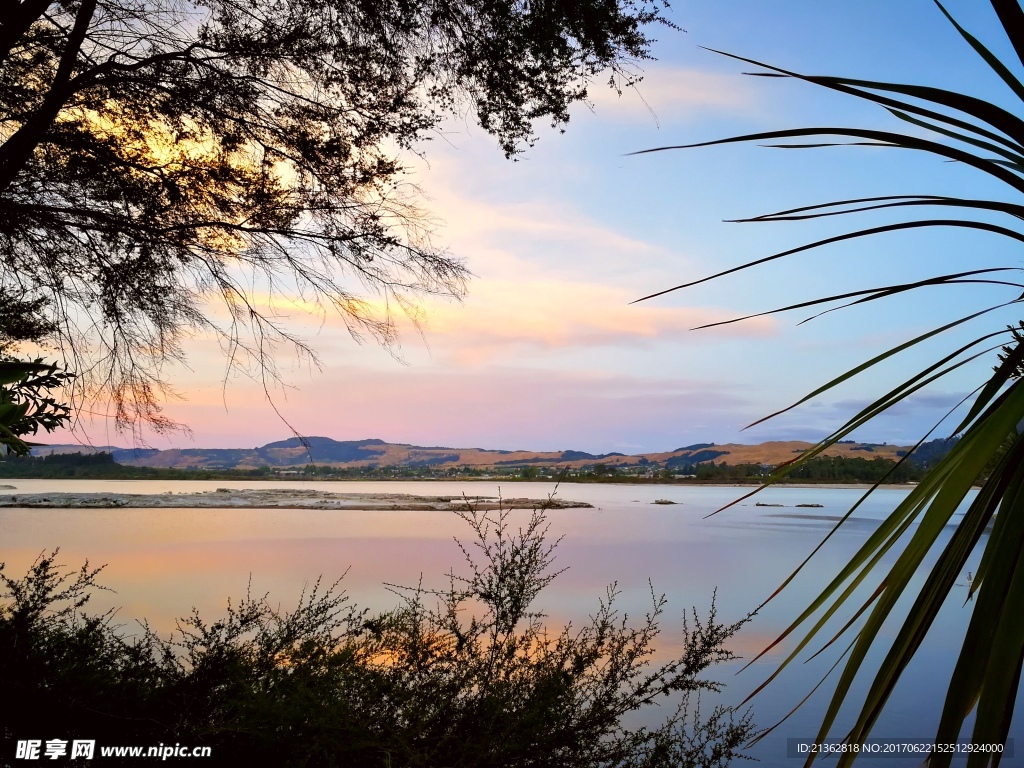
829	470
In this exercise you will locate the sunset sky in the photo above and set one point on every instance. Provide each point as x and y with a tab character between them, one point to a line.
547	352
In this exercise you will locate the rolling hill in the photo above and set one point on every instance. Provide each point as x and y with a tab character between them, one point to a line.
296	452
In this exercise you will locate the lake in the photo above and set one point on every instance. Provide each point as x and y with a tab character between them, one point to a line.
162	563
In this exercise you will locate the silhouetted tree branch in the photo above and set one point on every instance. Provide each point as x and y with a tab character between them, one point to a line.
155	156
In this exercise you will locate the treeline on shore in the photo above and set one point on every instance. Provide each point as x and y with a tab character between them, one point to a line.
826	469
101	466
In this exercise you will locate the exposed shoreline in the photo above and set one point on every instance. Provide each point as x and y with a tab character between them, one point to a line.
809	486
275	498
495	480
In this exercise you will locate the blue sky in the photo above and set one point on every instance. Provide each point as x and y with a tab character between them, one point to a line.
548	353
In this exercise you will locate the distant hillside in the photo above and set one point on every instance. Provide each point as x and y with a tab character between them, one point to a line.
294	452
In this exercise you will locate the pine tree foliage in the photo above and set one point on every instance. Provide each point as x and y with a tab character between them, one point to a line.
156	156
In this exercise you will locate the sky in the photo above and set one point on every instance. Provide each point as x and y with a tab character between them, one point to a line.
547	352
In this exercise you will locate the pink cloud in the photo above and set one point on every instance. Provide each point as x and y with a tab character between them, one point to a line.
503	316
488	408
551	314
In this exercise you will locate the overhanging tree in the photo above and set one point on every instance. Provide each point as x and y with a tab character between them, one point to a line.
989	139
158	154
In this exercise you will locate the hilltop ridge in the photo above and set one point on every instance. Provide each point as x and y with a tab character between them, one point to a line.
297	452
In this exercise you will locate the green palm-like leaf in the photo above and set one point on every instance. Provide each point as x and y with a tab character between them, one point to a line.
27	404
990	453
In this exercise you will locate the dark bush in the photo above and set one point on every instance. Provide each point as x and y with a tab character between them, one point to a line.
466	676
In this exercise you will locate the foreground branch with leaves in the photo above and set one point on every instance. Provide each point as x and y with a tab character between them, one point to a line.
987	138
465	676
28	404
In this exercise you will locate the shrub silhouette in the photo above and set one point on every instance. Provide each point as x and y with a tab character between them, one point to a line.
466	676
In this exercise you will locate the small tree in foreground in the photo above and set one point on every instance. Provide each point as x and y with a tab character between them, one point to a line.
475	679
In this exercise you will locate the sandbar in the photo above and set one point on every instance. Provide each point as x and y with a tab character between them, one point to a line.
278	498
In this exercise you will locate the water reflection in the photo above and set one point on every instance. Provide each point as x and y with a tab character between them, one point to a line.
164	562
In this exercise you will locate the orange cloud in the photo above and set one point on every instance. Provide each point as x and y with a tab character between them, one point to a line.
552	314
538	314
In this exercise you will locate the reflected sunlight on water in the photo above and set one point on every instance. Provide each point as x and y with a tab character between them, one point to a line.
163	562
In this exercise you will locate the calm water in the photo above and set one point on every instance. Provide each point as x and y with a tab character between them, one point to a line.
163	562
